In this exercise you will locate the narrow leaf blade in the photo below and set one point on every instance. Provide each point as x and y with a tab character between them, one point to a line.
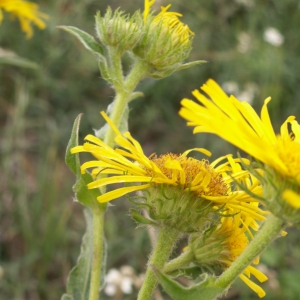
86	39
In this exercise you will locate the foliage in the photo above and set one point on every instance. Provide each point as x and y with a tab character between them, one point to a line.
38	107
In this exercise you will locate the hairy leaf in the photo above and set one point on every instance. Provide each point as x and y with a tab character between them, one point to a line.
205	290
87	40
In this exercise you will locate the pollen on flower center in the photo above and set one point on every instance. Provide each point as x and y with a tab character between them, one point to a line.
191	174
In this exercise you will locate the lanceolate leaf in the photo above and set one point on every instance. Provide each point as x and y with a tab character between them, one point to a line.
205	290
83	194
87	40
78	286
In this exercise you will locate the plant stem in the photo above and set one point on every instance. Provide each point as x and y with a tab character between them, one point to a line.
180	261
98	226
136	74
166	240
266	235
123	92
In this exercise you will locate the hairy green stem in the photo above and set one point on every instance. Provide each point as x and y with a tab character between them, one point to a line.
98	236
266	235
180	261
166	240
123	92
136	74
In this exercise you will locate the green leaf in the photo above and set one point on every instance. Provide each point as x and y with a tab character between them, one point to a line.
87	40
205	290
72	160
83	194
136	216
19	62
191	272
78	285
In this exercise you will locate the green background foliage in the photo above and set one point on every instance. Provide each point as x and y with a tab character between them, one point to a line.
41	225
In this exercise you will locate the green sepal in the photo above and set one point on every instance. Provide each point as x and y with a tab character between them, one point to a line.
191	64
205	290
86	39
136	216
78	286
82	193
167	72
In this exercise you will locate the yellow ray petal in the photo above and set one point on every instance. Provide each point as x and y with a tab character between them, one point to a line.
120	192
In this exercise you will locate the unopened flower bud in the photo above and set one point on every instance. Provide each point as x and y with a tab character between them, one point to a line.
119	30
167	41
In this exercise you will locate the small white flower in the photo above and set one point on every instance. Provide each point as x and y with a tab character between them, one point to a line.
126	285
230	87
110	290
273	37
246	94
120	281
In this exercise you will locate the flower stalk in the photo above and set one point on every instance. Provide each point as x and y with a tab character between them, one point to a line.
98	236
179	262
166	240
137	73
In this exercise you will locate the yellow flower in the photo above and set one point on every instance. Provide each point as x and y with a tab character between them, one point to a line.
184	175
27	13
166	42
234	245
225	244
169	21
238	123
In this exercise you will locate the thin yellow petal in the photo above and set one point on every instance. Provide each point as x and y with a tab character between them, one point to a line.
257	289
291	198
120	192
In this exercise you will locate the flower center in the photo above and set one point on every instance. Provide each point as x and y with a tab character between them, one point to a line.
191	174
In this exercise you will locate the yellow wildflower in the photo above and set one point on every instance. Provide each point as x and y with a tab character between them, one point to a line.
26	12
225	244
238	123
166	43
170	21
192	182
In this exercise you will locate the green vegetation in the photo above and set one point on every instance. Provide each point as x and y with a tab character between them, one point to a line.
41	225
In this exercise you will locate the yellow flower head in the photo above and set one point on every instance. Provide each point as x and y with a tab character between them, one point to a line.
225	244
26	12
166	42
169	21
238	123
190	183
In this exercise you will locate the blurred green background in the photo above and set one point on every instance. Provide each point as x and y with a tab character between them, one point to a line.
253	51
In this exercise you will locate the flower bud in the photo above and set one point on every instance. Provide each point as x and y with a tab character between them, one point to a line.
167	41
119	30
